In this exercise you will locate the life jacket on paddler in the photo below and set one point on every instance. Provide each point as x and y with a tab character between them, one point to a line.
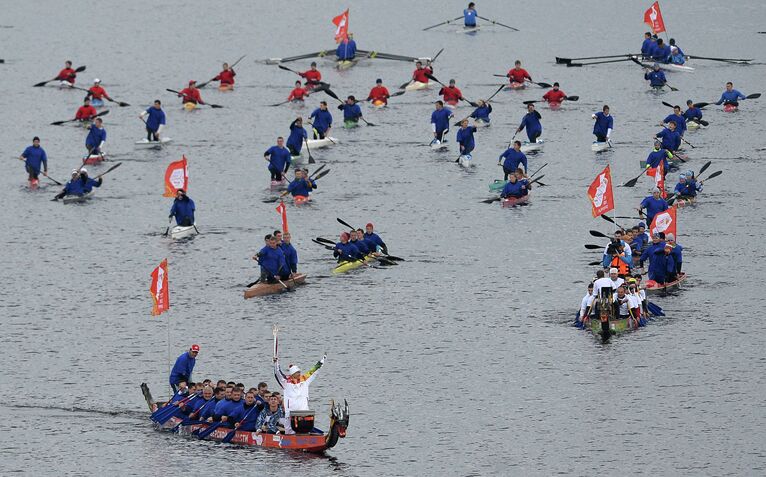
622	268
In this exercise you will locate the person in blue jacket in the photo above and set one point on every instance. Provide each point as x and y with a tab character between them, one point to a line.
511	159
96	137
351	110
154	122
692	113
244	417
469	15
662	265
672	43
687	186
72	187
197	407
647	47
371	236
345	251
357	239
731	95
183	367
531	121
659	155
481	113
87	183
678	118
658	243
301	185
677	252
656	77
654	204
297	136
602	127
207	412
465	139
347	48
671	140
272	261
676	57
661	52
182	209
322	121
279	160
228	408
291	255
514	188
440	122
34	156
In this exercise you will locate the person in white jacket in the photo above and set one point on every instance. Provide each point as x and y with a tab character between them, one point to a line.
296	387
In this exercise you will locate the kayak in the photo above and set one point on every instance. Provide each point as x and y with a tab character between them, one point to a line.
379	104
97	103
345	64
301	199
514	201
83	124
479	123
730	108
147	144
350	124
532	146
685	201
692	125
466	160
33	183
415	86
320	143
673	164
451	104
64	85
653	287
190	106
94	159
263	289
599	146
180	232
226	87
554	105
497	185
72	199
516	85
344	267
437	145
657	89
469	30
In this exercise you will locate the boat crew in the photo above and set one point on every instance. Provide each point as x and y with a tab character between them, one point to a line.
678	118
731	95
602	127
517	74
378	94
226	77
531	121
154	122
279	160
469	15
522	178
371	236
67	74
451	94
207	412
351	110
511	159
226	409
297	137
291	255
687	187
322	121
96	138
638	242
676	251
609	251
481	113
586	307
345	251
312	75
635	303
296	385
72	187
465	138
34	156
656	77
514	188
298	93
346	51
87	183
659	155
301	186
198	406
271	419
621	304
658	243
191	94
372	247
97	91
692	113
654	204
86	112
555	95
671	140
662	265
647	47
244	417
661	52
182	209
272	261
419	75
183	367
440	122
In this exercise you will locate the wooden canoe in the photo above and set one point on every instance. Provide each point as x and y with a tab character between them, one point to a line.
263	289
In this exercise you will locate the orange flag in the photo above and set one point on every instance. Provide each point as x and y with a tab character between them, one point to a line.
341	26
159	289
176	177
600	193
283	212
653	18
659	178
665	222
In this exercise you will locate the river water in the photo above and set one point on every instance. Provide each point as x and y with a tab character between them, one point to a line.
459	361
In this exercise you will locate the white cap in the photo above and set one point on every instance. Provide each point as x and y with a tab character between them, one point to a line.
96	80
293	369
82	169
613	270
75	171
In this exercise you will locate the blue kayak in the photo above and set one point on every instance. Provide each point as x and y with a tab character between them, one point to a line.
97	103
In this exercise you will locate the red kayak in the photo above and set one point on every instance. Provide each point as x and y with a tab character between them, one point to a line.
514	201
34	184
730	108
94	159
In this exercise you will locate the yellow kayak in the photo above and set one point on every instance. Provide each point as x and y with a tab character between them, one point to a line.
190	106
348	266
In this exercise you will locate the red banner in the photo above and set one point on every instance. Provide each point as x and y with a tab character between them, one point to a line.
176	177
665	222
341	26
159	289
658	173
653	18
600	193
283	212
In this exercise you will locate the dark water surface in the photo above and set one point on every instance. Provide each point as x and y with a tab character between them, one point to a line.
459	361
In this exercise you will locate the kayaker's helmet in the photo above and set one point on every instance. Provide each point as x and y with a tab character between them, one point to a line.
674	49
682	177
96	81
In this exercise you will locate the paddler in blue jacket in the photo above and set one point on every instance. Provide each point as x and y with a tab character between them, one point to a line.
272	261
677	252
357	239
183	367
514	188
72	187
182	209
662	265
347	48
469	15
440	122
465	138
371	236
659	155
671	140
155	121
654	204
661	52
291	255
676	56
511	159
279	160
656	77
351	110
345	251
301	185
96	137
678	118
481	113
297	136
531	121
322	121
692	113
87	183
687	186
731	95
34	156
602	127
672	43
647	47
243	418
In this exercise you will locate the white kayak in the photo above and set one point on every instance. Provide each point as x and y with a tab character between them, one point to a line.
694	125
599	146
437	145
146	144
416	85
466	160
481	124
73	199
532	146
179	232
320	143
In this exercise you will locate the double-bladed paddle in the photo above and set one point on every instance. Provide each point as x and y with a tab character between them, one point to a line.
205	104
79	69
561	60
202	85
404	85
486	101
749	96
540	84
568	98
59	123
700	121
635	60
331	94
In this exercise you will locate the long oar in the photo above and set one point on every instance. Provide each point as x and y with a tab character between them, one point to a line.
635	60
496	23
79	69
446	22
59	123
727	60
432	77
570	65
333	95
164	414
205	104
202	85
211	429
568	98
560	60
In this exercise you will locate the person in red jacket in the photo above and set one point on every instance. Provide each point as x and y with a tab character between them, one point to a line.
97	91
518	74
451	94
86	112
226	77
191	94
379	94
313	76
67	74
298	93
420	72
555	95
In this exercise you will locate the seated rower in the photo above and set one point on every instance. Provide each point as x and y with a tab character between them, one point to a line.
297	137
635	302
313	76
87	183
244	417
301	186
227	409
207	413
514	188
465	139
279	160
371	236
198	407
96	138
662	266
298	93
523	180
98	92
351	110
676	252
659	155
73	186
614	276
513	159
226	77
272	261
291	255
661	52
357	239
322	121
345	251
419	75
531	121
469	16
672	43
191	94
346	51
270	420
451	94
687	187
692	113
86	112
676	57
67	74
481	113
621	309
656	77
182	209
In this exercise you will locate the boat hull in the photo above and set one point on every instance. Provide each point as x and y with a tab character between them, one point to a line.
74	199
226	87
264	289
416	85
532	146
514	201
94	159
478	123
348	266
466	160
181	232
350	124
685	201
730	108
346	64
145	144
320	143
599	146
190	106
516	85
97	103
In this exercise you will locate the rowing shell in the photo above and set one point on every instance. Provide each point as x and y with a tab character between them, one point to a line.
599	146
532	146
346	64
670	67
147	144
416	85
180	232
73	199
263	289
514	201
653	287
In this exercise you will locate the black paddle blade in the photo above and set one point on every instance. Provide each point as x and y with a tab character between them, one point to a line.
80	69
122	104
489	201
753	96
665	103
593	264
59	123
215	106
331	94
715	174
41	83
560	61
701	105
573	98
544	85
530	101
598	234
570	65
592	246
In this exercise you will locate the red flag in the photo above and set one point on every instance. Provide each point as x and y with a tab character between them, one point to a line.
600	193
159	289
653	18
659	178
283	211
341	26
176	177
664	222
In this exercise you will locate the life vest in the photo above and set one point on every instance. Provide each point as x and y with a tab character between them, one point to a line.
622	267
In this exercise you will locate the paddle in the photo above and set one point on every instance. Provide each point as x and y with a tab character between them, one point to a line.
275	199
202	85
311	158
715	174
59	123
210	429
598	234
282	67
164	414
635	60
205	104
592	246
430	62
170	221
496	23
570	65
654	309
442	23
385	251
690	145
231	433
432	77
700	121
333	95
568	98
611	220
79	69
108	170
633	181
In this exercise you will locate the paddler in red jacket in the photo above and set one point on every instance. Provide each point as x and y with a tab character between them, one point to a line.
313	76
518	74
86	112
97	91
68	74
191	94
379	94
420	72
226	77
298	93
555	95
451	94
